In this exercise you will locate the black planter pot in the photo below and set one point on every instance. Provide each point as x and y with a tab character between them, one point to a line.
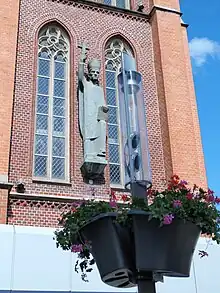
167	249
111	249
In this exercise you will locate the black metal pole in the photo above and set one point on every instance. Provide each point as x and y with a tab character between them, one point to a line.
146	284
138	190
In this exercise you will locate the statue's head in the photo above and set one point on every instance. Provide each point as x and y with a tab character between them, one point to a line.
94	69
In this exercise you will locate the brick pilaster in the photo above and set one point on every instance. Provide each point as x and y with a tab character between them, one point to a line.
9	12
176	95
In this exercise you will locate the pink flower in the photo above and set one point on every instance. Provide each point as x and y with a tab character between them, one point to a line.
113	195
210	198
189	196
217	200
175	179
77	248
113	204
167	219
210	192
125	197
177	203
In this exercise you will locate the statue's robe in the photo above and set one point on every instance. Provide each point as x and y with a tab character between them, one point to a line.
93	130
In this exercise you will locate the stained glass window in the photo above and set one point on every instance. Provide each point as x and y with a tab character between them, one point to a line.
113	51
51	118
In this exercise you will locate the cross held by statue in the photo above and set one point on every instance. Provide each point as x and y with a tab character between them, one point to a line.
84	47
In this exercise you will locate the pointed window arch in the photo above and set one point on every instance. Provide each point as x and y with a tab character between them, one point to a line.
51	138
113	50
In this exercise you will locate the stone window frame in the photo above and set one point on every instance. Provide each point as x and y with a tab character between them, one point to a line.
53	40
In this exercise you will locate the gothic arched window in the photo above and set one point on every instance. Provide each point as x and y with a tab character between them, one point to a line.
51	140
113	51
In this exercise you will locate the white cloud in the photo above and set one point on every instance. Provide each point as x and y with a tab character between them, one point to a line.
202	48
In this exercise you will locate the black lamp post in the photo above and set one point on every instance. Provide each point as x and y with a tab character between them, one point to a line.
135	143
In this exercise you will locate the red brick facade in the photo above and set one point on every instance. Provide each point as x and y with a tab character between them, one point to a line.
8	31
160	45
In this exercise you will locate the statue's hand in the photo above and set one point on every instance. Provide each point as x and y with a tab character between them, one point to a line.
83	57
102	113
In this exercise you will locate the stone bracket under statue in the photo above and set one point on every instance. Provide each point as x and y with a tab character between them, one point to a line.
93	115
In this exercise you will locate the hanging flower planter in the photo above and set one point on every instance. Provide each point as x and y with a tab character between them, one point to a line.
111	249
135	237
167	249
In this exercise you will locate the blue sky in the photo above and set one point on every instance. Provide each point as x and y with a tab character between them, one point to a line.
204	41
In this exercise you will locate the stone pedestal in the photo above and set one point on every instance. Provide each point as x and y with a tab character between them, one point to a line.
93	170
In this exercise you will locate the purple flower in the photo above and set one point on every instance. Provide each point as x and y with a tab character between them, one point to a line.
183	182
167	219
218	220
113	204
76	204
77	248
177	203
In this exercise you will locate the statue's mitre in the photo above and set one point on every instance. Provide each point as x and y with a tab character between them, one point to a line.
94	64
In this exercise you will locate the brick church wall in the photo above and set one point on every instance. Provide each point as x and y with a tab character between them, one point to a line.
95	25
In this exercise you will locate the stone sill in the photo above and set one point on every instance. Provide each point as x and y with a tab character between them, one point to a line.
49	197
55	198
51	181
6	185
39	196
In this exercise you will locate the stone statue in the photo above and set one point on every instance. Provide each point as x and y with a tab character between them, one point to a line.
92	117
